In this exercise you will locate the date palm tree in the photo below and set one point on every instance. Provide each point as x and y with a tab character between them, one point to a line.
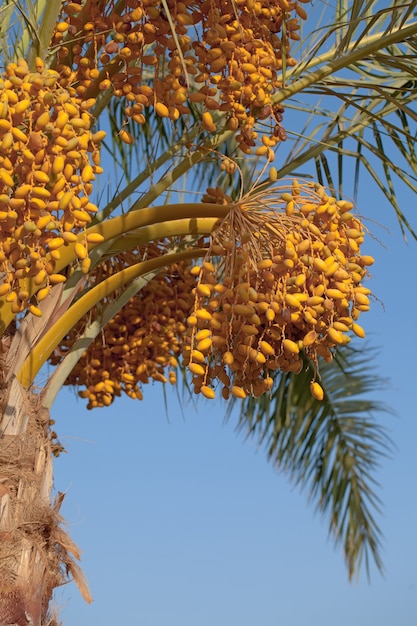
72	272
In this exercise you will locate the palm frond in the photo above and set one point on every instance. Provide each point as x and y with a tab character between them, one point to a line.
371	69
331	448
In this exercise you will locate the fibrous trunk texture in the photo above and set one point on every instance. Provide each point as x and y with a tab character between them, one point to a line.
34	549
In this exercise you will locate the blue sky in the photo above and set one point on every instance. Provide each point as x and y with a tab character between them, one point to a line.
183	522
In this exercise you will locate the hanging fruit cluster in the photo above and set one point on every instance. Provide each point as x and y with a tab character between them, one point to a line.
48	160
281	285
141	343
276	286
224	55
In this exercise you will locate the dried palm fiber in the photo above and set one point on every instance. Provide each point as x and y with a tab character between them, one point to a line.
36	554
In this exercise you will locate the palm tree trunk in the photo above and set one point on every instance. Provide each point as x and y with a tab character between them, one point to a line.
34	549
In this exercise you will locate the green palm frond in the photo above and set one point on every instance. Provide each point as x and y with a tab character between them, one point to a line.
331	449
375	123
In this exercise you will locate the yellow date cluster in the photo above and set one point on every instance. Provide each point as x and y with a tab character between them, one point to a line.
139	345
281	286
276	286
48	161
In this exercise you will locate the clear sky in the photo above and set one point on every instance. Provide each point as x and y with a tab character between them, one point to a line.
184	523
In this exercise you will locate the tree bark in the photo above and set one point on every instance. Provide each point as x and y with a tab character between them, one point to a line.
34	549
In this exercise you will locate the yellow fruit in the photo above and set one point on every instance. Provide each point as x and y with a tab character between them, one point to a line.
289	208
126	137
319	264
57	278
265	264
361	298
56	243
310	338
4	288
316	391
204	315
6	179
335	294
87	174
81	216
340	326
204	345
273	174
292	301
94	238
80	251
35	310
21	106
270	315
197	356
58	165
367	260
40	177
238	392
18	134
41	192
99	136
196	369
85	265
335	336
69	237
358	330
314	301
208	392
290	346
266	348
244	309
40	277
204	290
42	293
228	358
207	122
161	109
5	126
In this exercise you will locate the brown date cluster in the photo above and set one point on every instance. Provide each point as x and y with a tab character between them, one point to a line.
223	56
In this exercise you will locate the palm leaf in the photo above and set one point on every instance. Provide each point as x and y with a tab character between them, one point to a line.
378	94
331	448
